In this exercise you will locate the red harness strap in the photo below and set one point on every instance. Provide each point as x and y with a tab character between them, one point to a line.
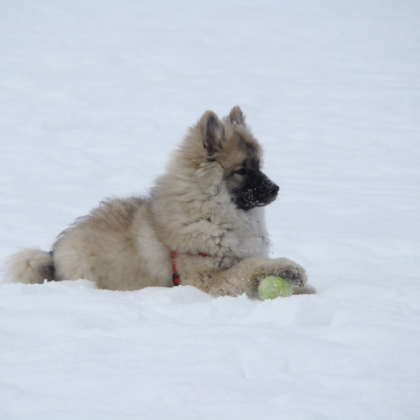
175	275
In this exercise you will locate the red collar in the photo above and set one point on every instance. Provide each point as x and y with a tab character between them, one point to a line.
175	275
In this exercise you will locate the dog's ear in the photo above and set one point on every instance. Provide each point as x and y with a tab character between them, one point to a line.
236	116
213	132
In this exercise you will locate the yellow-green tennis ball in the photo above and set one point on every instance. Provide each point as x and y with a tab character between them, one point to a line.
272	287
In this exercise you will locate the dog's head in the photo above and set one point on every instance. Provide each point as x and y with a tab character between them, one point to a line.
230	144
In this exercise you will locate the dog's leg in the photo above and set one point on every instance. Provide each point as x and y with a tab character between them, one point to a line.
243	277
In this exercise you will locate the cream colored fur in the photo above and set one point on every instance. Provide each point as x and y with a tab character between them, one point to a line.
28	266
127	244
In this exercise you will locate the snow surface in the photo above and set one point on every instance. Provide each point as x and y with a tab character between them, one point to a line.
94	96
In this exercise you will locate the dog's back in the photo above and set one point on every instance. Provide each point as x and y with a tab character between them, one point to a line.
115	246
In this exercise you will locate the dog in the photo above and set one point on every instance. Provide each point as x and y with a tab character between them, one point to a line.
202	224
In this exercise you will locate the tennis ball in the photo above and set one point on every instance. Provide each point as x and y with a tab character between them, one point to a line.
271	287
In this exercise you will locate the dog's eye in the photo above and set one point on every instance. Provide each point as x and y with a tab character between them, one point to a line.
241	171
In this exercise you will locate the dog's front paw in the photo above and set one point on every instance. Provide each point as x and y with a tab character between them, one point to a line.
291	271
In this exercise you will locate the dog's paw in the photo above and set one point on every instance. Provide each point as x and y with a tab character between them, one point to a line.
307	289
291	271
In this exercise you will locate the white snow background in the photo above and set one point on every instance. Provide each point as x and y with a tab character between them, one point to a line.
94	95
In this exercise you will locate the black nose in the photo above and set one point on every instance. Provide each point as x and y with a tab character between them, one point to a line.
275	189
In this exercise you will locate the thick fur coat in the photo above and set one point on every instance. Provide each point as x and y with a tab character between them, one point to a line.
208	209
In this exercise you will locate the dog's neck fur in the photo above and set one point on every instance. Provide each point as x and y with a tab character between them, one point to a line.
215	227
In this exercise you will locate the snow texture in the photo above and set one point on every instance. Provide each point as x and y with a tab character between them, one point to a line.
93	97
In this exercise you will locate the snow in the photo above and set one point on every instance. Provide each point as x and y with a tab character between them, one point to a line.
95	95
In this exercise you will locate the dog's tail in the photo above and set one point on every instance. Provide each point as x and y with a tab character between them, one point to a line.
29	266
